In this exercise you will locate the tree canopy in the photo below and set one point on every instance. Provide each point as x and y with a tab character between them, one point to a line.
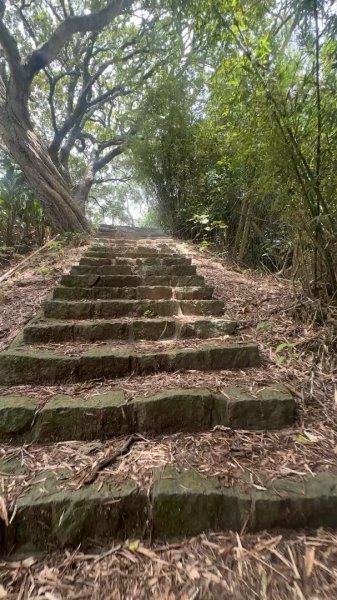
226	110
72	74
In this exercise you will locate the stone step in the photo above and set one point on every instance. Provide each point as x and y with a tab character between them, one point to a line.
109	240
113	293
131	329
103	416
131	253
88	276
157	260
103	309
42	367
100	276
130	236
143	231
156	269
133	293
113	269
127	242
180	503
107	248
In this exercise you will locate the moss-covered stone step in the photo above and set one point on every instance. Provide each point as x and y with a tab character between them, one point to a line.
169	251
175	270
28	367
154	269
182	503
105	276
50	331
51	515
109	235
159	260
107	269
103	309
185	503
132	252
152	253
110	293
133	293
96	258
107	415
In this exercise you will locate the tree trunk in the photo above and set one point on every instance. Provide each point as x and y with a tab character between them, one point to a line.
30	153
83	190
246	228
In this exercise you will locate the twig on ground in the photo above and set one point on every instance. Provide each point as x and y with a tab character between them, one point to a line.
107	461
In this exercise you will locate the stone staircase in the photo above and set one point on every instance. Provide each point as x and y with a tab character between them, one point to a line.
135	306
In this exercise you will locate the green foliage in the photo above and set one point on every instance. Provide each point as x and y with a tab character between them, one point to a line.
264	326
242	153
22	223
285	352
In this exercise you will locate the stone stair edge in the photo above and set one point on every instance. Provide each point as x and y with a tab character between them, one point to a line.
181	503
132	329
22	366
65	418
105	308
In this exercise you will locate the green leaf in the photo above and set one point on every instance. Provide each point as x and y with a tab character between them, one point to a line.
264	326
284	346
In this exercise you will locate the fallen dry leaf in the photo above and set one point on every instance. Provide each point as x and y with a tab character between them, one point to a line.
3	593
309	560
3	511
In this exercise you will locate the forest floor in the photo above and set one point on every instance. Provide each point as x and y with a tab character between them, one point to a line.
282	565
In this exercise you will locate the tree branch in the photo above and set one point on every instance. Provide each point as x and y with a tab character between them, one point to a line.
74	24
11	50
114	179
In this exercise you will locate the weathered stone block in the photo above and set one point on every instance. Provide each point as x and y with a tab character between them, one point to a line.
271	408
45	332
202	307
189	280
51	517
104	363
35	367
16	414
100	416
152	329
278	406
160	270
174	410
186	503
107	330
94	293
204	329
194	293
102	309
95	262
95	272
154	292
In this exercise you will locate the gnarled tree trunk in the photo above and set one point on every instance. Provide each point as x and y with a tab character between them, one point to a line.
61	209
83	189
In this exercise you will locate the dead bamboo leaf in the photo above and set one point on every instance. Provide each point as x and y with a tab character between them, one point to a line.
309	560
194	574
3	511
3	593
